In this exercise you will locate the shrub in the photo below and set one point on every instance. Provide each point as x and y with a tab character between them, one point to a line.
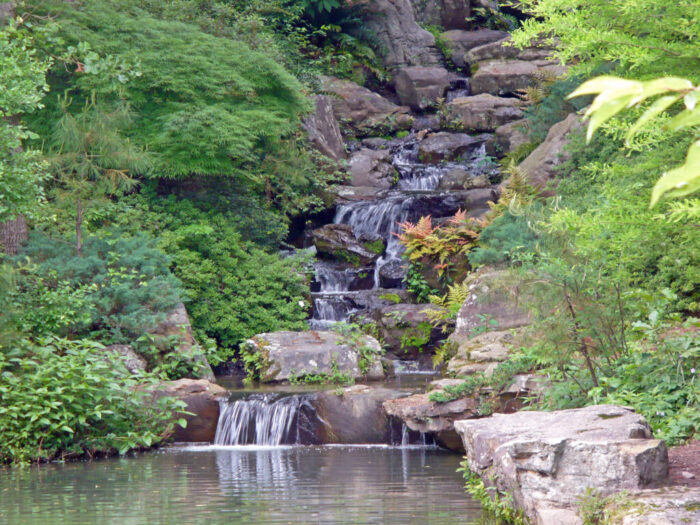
503	241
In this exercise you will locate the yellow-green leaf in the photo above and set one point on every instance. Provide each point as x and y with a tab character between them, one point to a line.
685	119
680	181
606	83
605	113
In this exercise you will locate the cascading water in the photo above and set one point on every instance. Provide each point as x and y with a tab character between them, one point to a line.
340	291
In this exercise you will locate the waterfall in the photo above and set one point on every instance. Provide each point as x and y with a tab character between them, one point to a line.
260	419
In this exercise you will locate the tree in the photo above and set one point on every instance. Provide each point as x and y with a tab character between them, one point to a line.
22	171
91	157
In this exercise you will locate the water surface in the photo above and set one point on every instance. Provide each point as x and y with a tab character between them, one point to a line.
245	485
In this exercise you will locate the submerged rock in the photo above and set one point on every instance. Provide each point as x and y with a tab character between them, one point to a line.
548	460
287	355
421	87
482	112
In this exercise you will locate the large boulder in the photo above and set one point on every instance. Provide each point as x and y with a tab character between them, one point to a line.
406	329
133	362
458	42
548	460
371	168
323	130
481	354
490	306
354	415
286	355
363	112
503	49
404	42
482	112
421	87
338	241
450	14
341	194
666	506
461	179
508	138
444	146
505	77
541	165
177	325
202	402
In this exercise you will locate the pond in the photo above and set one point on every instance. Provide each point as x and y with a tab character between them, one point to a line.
244	485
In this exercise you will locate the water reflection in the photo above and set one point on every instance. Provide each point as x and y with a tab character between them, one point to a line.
291	485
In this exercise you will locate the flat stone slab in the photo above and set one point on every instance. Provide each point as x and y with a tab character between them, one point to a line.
665	506
548	460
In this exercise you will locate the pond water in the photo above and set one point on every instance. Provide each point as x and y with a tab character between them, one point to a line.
244	485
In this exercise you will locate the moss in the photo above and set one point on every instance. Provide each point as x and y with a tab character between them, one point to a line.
376	246
346	256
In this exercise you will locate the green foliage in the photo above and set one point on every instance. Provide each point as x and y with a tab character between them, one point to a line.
593	33
416	283
64	399
120	287
336	377
355	336
616	94
22	171
503	241
502	506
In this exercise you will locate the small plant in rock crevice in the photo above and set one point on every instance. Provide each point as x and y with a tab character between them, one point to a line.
354	336
501	505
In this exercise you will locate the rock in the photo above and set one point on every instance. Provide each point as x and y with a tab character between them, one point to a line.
404	42
504	77
666	506
345	194
422	415
440	384
202	399
482	112
482	351
548	460
508	138
501	50
7	10
323	130
421	87
292	354
392	274
450	14
488	308
458	42
177	324
444	146
540	166
338	241
406	328
356	416
461	179
133	362
371	168
363	111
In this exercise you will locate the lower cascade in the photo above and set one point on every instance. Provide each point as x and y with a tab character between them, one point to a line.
291	419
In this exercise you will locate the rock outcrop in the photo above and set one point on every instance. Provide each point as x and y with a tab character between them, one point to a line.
461	179
371	168
421	87
337	241
363	112
547	460
406	328
405	43
286	355
483	353
450	14
666	506
445	146
323	130
506	77
459	42
508	138
202	400
482	112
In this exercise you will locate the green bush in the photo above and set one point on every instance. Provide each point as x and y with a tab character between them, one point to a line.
63	399
119	289
503	241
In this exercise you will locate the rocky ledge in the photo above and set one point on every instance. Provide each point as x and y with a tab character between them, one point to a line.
548	460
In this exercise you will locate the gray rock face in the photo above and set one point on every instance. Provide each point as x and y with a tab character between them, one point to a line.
444	146
540	166
291	354
458	42
488	308
392	274
508	138
503	77
202	399
404	41
421	87
450	14
343	194
482	112
547	460
177	323
667	506
133	362
403	326
481	354
323	130
461	179
339	242
501	50
355	416
364	112
371	168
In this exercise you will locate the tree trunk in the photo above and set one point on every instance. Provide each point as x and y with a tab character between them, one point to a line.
13	234
79	228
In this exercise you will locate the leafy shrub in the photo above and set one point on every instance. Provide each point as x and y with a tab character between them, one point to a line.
120	287
64	399
503	240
